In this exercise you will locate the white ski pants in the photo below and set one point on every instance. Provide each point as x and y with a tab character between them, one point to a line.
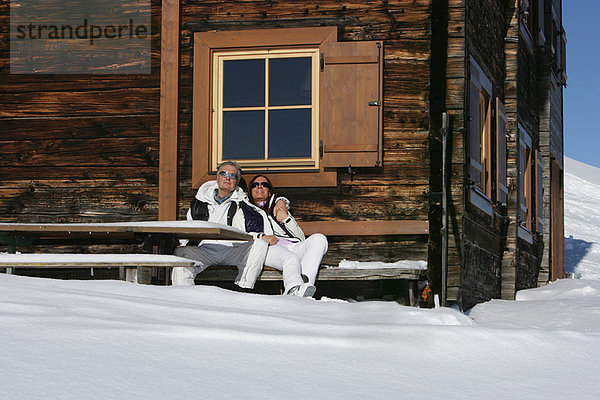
310	252
208	254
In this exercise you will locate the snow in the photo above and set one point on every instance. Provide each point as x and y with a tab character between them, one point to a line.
147	224
118	340
582	233
86	259
408	264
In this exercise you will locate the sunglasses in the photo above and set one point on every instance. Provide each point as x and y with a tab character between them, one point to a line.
263	184
226	174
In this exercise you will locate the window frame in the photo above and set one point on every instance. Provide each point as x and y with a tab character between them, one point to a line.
217	98
526	23
539	191
525	167
480	191
501	153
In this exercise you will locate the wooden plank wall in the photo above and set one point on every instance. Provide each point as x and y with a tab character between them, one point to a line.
398	190
510	103
455	77
483	238
77	148
529	255
551	146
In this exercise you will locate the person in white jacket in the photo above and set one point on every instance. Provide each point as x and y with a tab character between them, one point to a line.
223	201
290	236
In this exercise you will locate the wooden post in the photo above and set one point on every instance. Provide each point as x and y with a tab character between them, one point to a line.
169	91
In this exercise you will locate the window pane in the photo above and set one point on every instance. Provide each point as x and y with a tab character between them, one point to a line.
243	83
290	81
290	133
243	134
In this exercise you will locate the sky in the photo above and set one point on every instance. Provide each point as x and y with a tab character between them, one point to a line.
581	96
86	339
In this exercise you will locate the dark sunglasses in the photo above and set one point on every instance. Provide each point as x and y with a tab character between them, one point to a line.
263	184
226	174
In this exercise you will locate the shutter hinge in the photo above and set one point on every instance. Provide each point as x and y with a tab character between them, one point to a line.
375	103
322	62
321	149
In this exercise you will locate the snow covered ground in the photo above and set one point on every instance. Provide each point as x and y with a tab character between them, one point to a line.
116	340
582	219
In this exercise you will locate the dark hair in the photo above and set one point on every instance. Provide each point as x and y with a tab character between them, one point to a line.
271	190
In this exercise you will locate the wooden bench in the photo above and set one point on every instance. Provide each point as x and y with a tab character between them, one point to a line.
228	273
411	275
131	264
128	264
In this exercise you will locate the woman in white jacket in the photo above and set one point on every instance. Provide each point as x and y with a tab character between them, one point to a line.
287	233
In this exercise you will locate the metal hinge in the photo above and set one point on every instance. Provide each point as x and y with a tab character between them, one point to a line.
375	103
321	149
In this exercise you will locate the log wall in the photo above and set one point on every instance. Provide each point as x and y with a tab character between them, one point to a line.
78	147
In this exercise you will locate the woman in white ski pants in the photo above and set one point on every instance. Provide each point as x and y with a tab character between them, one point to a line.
288	234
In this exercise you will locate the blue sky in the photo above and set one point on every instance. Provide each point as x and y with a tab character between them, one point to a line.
582	94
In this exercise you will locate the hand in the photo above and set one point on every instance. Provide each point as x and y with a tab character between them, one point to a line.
272	240
280	211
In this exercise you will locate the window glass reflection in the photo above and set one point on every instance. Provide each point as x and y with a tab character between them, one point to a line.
290	81
243	83
290	133
243	134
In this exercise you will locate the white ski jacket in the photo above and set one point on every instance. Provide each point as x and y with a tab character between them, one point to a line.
218	213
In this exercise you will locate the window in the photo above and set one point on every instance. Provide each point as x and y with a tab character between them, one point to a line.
501	184
525	166
539	192
540	21
526	22
292	102
480	135
266	108
558	47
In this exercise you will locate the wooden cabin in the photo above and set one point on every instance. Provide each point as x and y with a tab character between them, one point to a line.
433	128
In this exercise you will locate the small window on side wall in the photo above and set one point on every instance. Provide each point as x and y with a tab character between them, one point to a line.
525	180
480	138
539	192
501	185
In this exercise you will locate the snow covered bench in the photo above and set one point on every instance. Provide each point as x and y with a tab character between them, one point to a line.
342	272
68	260
410	271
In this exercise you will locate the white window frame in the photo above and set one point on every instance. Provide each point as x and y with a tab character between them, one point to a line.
217	122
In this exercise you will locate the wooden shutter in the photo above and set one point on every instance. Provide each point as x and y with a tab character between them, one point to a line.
351	80
502	188
563	57
525	178
522	172
475	134
539	192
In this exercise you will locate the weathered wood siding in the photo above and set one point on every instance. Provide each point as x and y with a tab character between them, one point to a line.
529	255
451	43
78	147
483	236
398	190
